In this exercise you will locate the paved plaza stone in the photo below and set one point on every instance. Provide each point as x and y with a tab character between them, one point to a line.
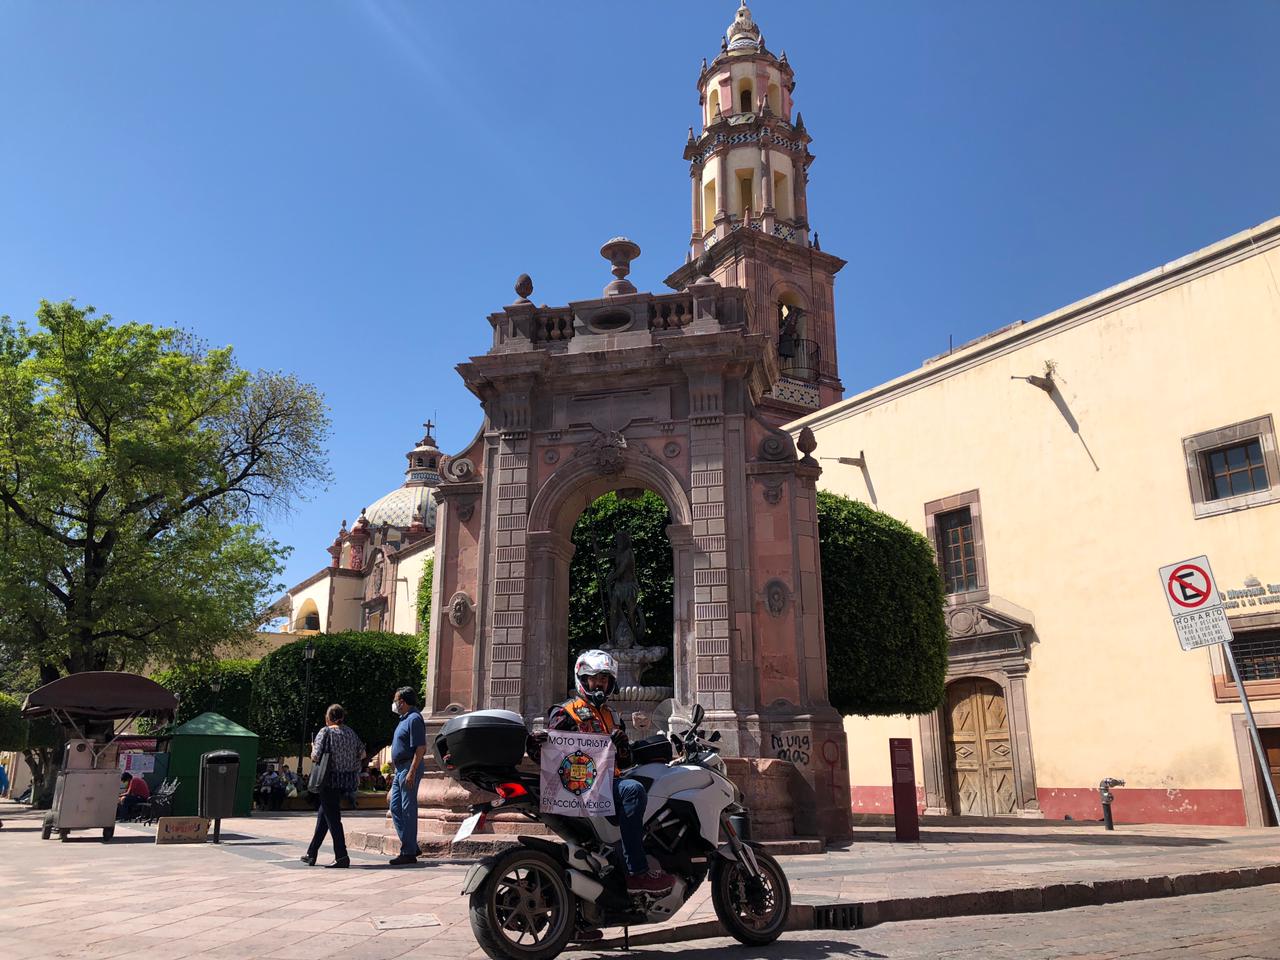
251	897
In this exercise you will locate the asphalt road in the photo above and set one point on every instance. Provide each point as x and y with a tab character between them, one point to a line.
1233	925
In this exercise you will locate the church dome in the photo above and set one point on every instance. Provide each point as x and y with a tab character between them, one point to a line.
398	507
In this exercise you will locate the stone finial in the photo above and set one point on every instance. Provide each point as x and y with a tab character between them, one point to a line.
691	135
807	443
799	122
783	58
816	245
620	252
524	287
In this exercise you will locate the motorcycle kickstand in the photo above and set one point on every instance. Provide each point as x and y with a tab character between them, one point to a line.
626	939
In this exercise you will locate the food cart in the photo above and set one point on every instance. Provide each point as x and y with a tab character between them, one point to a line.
93	709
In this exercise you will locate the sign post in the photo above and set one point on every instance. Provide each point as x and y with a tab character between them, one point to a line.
1201	621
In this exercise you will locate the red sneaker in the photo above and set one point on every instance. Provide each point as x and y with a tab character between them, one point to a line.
655	881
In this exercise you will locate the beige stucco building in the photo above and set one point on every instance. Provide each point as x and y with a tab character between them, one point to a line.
1145	435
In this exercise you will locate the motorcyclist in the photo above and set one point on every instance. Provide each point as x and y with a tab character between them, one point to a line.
596	679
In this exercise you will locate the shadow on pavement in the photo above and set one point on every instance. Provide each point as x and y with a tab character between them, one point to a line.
783	949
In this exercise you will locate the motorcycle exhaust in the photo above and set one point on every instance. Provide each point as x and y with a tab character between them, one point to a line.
584	886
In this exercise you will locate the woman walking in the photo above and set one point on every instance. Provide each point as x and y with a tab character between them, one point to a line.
345	752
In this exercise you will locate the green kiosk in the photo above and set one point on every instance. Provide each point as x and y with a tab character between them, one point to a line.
201	735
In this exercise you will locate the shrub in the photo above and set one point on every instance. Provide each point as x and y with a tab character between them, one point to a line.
882	611
360	670
192	684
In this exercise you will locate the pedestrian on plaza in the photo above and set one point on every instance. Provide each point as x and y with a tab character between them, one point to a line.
133	793
345	752
270	790
408	747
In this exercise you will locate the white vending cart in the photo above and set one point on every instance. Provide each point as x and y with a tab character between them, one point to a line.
93	710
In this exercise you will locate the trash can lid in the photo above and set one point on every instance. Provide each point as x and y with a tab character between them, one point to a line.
219	756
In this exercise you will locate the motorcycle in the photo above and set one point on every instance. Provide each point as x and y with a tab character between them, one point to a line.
530	902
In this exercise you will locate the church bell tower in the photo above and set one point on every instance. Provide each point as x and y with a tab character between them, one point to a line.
749	167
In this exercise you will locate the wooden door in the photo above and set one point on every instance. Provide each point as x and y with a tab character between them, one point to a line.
1271	747
981	755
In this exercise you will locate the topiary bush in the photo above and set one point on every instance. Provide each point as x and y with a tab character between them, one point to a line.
192	684
13	729
360	670
424	616
882	611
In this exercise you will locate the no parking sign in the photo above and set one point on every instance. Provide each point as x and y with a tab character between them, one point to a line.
1192	595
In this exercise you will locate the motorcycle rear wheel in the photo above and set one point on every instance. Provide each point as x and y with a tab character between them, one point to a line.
524	909
754	912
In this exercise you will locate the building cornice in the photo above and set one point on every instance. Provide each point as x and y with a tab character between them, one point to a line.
1234	249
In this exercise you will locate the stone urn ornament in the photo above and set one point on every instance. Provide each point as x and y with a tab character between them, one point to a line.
620	252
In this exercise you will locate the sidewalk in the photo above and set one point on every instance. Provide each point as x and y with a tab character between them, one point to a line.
250	897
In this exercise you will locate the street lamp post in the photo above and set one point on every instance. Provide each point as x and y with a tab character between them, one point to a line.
308	654
215	685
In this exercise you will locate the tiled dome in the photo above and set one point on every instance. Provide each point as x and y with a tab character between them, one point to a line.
398	506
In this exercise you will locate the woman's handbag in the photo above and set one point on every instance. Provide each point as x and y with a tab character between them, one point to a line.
320	770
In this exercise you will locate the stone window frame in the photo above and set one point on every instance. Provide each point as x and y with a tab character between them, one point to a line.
1197	446
935	508
1224	688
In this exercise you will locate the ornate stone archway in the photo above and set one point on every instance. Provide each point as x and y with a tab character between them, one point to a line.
658	392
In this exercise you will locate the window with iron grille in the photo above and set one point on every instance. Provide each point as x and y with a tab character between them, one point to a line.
957	550
1257	654
1231	471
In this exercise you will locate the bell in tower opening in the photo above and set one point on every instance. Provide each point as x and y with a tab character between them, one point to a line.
749	169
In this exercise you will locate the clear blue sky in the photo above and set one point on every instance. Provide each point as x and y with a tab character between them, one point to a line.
347	189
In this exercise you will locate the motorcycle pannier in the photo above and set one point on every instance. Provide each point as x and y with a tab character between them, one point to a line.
492	739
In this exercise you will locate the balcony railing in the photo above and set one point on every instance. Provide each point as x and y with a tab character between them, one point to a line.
798	359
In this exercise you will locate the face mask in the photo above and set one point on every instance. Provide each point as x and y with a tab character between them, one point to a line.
395	708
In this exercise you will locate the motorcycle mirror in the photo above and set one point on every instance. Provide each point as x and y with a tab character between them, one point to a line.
698	714
715	735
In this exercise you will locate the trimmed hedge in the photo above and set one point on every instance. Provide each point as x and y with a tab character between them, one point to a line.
13	729
882	610
191	684
359	669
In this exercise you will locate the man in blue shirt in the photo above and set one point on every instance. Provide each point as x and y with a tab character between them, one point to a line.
408	747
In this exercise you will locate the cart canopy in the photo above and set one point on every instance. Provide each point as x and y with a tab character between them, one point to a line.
101	695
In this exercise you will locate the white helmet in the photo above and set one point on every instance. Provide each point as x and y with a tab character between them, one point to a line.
590	663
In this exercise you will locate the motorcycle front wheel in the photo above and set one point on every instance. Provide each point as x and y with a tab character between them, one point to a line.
524	909
753	909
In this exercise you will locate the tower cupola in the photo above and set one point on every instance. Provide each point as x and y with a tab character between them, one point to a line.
749	166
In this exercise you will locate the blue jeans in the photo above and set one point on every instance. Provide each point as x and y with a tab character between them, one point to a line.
629	798
404	813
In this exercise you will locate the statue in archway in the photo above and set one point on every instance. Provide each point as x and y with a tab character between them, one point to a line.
625	619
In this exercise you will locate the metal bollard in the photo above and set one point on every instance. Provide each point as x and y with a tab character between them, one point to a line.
1105	794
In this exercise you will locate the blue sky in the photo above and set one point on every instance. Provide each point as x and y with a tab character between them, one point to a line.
346	190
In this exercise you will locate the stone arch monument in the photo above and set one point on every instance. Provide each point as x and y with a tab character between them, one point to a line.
660	392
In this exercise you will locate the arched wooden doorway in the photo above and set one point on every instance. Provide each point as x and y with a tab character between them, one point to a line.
981	757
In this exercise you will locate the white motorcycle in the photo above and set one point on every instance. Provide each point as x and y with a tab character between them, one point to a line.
529	902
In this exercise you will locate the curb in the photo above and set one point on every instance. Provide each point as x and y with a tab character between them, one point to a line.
1057	896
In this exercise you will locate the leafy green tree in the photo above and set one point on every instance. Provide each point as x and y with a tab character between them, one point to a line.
646	518
883	601
193	683
358	669
133	464
134	467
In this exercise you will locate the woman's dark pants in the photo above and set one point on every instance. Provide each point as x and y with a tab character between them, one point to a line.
329	820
